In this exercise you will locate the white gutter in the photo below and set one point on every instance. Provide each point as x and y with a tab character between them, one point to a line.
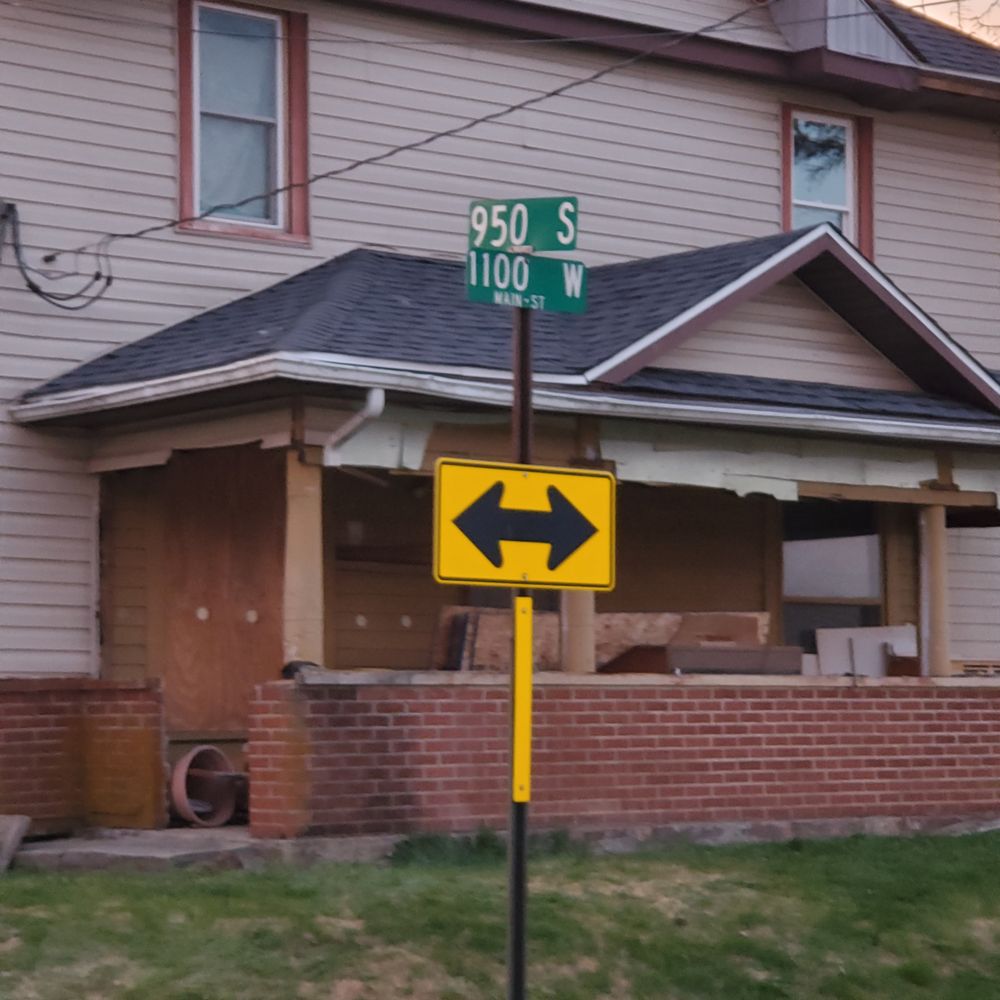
551	399
374	407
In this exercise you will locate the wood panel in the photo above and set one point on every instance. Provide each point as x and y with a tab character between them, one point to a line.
900	564
222	574
382	603
128	534
685	549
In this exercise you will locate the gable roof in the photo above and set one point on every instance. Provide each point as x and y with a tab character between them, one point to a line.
376	310
937	44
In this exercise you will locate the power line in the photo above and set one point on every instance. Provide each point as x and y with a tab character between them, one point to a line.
339	39
108	239
101	247
95	288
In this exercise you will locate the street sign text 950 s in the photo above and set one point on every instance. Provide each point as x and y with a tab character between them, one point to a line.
537	223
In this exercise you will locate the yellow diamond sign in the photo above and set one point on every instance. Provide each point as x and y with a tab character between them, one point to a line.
498	525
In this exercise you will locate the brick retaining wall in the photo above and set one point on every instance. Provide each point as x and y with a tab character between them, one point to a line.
613	754
79	752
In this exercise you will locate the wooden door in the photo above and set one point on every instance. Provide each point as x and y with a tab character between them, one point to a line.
222	565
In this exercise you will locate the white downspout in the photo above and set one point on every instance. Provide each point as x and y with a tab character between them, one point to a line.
374	407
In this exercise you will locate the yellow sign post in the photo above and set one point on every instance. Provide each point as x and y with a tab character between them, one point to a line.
500	525
520	771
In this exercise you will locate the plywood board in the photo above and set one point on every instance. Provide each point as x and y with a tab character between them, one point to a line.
222	571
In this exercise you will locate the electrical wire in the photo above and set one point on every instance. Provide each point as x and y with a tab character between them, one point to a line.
80	298
101	247
676	39
339	39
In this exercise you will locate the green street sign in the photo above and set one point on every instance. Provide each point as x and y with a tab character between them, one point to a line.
526	282
538	224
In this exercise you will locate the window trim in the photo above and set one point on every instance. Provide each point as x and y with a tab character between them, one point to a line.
860	171
293	210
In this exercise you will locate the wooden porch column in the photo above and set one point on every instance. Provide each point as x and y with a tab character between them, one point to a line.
576	625
935	655
303	584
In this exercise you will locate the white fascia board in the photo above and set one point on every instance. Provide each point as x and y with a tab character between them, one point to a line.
550	399
961	356
599	370
457	371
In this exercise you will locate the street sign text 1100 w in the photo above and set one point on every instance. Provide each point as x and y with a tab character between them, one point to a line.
526	282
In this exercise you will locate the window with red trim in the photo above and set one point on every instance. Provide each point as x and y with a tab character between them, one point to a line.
243	120
828	173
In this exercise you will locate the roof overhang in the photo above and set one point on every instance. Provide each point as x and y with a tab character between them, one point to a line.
550	395
878	84
852	287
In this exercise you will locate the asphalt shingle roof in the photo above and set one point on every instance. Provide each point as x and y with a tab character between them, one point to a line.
936	44
399	308
747	389
391	307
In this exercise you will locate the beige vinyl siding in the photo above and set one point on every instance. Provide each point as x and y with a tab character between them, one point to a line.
937	187
663	158
786	332
974	572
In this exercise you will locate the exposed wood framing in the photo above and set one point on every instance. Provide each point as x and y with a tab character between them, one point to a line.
900	564
302	614
895	494
151	444
773	579
934	625
577	638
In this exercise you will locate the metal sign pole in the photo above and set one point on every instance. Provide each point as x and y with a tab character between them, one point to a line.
521	434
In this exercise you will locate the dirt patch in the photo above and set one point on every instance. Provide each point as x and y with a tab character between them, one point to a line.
671	895
347	989
244	925
339	927
394	972
10	944
985	931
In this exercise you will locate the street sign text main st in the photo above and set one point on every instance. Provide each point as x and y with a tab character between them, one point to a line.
499	525
526	282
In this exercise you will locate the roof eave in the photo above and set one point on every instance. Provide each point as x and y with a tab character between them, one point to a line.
548	397
878	83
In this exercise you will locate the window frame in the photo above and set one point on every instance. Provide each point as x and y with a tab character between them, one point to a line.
292	207
860	164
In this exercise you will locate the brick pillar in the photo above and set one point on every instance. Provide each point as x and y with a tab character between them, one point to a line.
278	755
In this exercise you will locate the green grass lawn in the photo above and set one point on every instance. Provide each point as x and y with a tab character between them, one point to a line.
860	918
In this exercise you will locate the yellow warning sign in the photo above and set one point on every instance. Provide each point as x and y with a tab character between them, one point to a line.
498	525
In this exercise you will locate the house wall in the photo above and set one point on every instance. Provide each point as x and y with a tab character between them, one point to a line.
779	758
786	332
663	158
76	752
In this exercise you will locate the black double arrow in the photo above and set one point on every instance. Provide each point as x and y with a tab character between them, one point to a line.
486	524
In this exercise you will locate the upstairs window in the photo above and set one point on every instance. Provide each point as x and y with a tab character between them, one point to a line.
828	173
243	119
